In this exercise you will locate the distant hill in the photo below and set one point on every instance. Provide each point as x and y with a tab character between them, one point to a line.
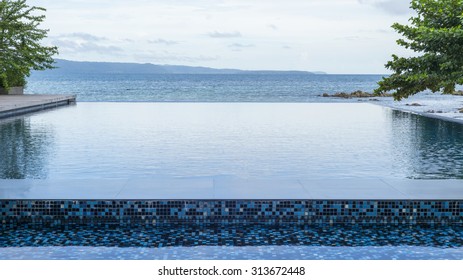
69	67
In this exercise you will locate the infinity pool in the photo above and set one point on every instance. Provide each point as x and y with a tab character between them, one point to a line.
246	140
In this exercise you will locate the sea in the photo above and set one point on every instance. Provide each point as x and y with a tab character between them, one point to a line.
199	87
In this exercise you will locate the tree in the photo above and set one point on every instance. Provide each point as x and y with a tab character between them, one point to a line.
436	34
20	43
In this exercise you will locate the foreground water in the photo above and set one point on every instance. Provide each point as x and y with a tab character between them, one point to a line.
246	140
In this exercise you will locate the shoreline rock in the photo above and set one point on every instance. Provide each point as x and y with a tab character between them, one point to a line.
356	94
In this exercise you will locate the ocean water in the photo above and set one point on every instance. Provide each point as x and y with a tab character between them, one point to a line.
199	88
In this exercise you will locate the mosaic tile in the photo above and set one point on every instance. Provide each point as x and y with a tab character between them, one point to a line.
230	211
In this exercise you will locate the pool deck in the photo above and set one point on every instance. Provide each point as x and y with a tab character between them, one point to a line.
14	105
230	188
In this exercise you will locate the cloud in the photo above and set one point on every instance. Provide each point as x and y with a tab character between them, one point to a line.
83	36
217	34
238	45
384	31
172	58
396	7
272	26
163	42
85	47
353	38
80	42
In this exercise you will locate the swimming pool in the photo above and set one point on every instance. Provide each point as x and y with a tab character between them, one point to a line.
230	181
245	140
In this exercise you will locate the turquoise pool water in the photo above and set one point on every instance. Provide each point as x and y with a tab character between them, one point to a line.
246	140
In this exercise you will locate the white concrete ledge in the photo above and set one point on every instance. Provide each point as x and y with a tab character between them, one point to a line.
224	188
13	105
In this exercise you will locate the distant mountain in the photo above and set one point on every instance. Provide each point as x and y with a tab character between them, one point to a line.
69	67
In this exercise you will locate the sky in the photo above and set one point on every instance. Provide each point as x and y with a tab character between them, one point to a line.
334	36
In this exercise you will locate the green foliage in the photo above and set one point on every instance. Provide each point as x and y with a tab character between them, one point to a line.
436	34
20	48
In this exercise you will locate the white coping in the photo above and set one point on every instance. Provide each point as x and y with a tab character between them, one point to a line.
224	188
444	107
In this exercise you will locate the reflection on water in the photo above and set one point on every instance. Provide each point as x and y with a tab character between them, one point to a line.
247	140
432	148
24	149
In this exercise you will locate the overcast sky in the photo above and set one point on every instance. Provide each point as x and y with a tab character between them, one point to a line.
335	36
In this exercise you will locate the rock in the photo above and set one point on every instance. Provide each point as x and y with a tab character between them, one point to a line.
374	99
356	94
460	110
341	95
413	104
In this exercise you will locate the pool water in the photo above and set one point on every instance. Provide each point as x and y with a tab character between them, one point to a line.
234	242
246	140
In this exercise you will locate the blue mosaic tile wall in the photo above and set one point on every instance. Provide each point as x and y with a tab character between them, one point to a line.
126	212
